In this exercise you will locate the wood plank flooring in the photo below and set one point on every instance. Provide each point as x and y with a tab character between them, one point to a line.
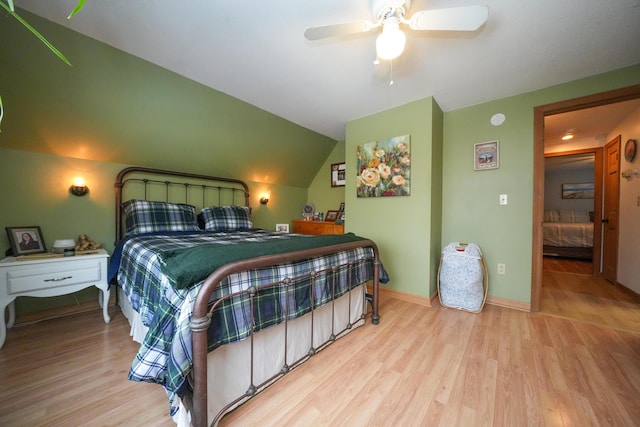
420	367
565	265
589	299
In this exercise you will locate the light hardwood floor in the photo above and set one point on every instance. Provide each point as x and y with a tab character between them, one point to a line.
587	298
419	367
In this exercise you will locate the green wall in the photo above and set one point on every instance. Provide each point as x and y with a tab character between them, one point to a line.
321	194
450	202
110	110
406	229
470	206
34	189
113	107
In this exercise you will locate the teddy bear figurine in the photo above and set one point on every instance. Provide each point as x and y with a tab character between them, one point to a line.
84	244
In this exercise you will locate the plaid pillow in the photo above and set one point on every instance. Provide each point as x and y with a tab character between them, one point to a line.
227	218
142	216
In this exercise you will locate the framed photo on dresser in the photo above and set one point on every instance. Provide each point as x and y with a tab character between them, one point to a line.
26	240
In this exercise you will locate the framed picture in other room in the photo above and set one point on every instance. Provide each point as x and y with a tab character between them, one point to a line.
26	240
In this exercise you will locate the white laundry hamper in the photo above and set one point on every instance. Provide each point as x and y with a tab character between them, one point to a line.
462	277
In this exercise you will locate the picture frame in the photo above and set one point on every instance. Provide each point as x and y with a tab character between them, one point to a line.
341	209
26	240
584	190
282	228
308	210
338	174
331	216
384	167
486	155
630	150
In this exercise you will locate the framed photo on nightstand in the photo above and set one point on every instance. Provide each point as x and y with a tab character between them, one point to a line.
282	228
26	240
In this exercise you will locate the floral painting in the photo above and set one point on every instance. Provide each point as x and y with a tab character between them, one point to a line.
384	168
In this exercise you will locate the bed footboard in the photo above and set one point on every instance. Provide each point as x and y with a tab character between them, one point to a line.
202	313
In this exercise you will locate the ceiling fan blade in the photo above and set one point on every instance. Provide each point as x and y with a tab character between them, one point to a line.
466	18
326	31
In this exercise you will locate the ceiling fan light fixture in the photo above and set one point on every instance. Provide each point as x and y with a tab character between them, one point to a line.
390	43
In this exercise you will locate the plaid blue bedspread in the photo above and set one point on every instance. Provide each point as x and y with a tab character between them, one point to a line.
165	355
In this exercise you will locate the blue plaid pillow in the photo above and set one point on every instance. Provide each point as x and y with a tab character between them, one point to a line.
142	216
227	218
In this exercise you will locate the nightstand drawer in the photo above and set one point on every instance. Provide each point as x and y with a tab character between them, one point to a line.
53	276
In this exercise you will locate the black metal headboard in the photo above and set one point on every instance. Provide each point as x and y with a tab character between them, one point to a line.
176	187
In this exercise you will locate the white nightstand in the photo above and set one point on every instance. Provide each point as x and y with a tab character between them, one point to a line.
48	277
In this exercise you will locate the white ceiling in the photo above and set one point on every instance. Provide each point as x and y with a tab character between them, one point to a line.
589	125
255	50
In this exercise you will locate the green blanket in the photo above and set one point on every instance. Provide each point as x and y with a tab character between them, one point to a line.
187	266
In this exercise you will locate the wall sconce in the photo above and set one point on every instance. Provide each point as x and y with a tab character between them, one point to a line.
79	188
630	173
264	199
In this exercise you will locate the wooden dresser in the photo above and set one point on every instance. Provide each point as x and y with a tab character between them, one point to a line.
317	227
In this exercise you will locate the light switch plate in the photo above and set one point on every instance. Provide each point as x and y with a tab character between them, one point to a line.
503	199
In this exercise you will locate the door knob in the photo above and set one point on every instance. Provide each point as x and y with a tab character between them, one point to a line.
605	221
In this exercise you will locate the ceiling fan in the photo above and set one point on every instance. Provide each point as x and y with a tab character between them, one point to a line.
389	14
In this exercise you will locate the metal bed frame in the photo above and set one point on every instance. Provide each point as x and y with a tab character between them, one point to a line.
202	313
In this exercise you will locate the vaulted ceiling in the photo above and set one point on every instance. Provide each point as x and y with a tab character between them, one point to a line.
256	50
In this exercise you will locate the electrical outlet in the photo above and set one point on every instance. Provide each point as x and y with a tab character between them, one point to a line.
503	199
502	269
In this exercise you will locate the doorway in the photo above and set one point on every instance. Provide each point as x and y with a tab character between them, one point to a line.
540	113
576	233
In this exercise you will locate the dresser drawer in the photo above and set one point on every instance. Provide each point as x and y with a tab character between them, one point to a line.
53	276
317	227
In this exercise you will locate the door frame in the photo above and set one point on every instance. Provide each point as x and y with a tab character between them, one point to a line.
539	113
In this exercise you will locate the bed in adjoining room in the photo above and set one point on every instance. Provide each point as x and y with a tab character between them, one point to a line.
568	234
222	309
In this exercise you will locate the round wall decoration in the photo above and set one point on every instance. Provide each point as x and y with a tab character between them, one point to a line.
630	150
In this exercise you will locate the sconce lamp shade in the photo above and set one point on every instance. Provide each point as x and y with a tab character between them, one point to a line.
264	199
79	188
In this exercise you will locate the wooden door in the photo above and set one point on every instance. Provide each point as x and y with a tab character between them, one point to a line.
610	210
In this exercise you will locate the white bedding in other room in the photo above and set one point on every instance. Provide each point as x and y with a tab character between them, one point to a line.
567	234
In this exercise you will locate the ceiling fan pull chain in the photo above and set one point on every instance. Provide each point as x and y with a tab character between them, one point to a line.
391	73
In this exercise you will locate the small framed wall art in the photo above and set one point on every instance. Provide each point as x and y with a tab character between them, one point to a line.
26	240
486	155
338	177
